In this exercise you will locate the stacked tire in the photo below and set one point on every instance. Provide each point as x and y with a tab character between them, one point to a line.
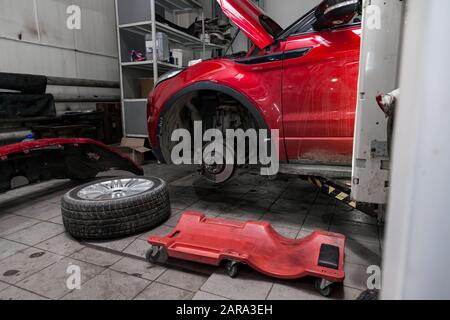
97	217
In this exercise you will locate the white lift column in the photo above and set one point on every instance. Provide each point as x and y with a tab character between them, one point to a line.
417	253
381	38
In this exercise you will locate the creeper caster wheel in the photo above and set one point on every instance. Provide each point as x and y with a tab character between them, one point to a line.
232	268
156	254
324	287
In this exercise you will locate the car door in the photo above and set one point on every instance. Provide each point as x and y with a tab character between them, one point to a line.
319	92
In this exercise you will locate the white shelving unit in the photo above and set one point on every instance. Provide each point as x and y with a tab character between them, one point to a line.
135	19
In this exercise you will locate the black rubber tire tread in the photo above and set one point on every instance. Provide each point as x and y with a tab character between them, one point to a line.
85	219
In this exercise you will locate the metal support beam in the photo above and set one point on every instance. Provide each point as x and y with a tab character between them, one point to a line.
89	98
381	38
71	82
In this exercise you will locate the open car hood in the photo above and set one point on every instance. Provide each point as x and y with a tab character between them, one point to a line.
253	21
47	159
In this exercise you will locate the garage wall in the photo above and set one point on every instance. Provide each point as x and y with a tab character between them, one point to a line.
286	12
34	39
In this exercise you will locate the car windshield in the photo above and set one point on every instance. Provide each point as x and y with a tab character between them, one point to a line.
303	21
305	24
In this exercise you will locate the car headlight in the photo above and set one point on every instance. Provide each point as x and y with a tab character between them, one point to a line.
168	76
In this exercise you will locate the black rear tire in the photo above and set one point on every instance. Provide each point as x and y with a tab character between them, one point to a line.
115	218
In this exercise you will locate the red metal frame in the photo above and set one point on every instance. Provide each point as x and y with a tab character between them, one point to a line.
74	158
211	241
43	143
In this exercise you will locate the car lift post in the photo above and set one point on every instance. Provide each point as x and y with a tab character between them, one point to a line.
416	260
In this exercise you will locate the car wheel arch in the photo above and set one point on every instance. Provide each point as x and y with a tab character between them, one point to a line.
207	86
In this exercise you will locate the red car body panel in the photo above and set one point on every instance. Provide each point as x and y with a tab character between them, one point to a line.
319	95
42	160
246	16
309	97
260	84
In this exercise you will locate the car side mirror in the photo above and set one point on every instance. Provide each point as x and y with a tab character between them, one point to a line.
332	13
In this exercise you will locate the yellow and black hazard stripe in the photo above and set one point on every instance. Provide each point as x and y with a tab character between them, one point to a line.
340	192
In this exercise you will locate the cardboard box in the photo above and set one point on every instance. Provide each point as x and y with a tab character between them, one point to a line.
146	85
135	149
178	57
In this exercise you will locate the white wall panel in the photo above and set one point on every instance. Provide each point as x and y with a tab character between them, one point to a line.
22	57
34	39
52	23
97	67
98	31
18	20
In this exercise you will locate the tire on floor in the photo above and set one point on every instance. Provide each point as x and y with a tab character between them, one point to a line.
106	209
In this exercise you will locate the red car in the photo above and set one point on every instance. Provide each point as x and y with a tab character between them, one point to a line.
301	81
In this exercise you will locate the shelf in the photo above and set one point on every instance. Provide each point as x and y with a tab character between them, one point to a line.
148	65
174	35
179	5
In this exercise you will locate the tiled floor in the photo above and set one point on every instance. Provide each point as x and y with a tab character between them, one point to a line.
35	252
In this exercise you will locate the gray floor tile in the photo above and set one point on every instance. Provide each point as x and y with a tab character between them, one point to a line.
51	282
356	276
324	199
138	248
325	211
316	223
3	285
138	268
205	296
289	207
10	223
247	286
116	245
37	233
62	244
303	289
287	232
41	210
263	195
183	280
247	202
57	220
242	214
109	285
161	231
346	213
356	231
285	220
362	252
8	248
182	202
157	291
97	257
303	233
305	194
14	293
25	263
208	208
296	290
173	220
